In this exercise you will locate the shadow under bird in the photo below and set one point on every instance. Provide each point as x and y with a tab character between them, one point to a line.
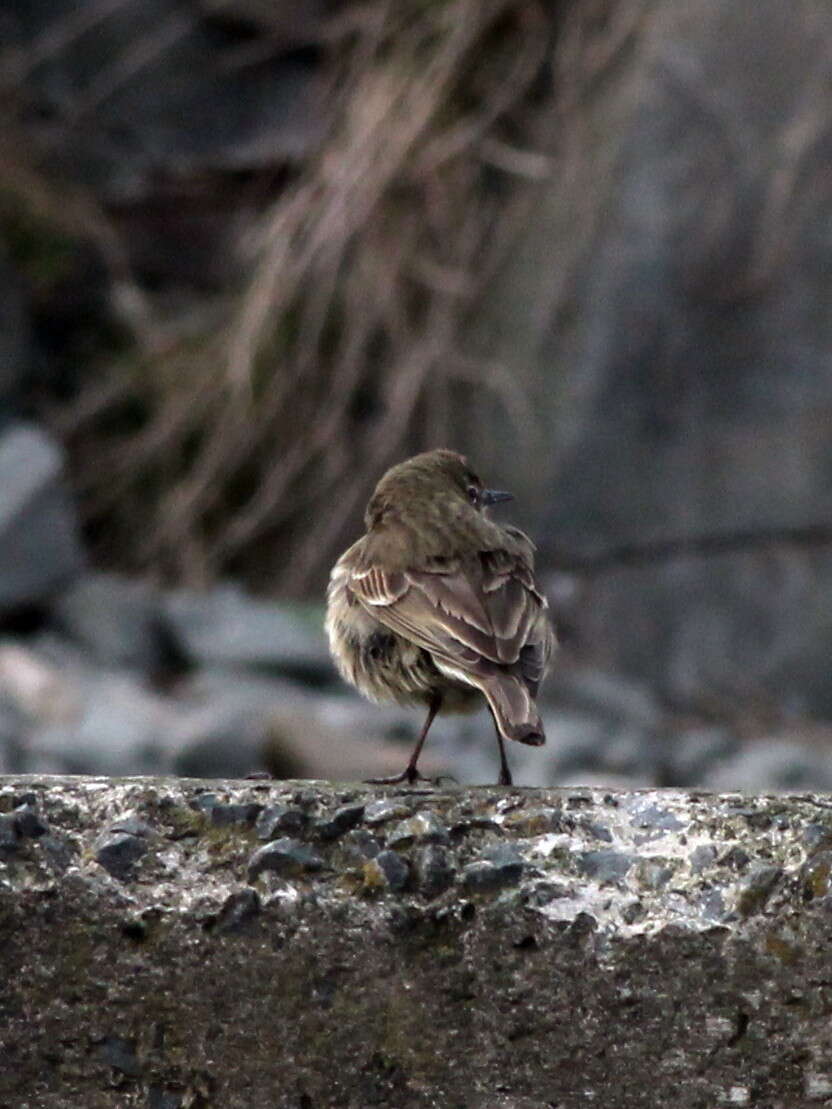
436	604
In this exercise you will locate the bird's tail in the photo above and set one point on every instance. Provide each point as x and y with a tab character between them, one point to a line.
513	708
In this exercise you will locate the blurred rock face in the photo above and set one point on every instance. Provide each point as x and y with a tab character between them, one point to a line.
126	96
690	389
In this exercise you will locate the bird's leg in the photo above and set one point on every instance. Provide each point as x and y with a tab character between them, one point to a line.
410	774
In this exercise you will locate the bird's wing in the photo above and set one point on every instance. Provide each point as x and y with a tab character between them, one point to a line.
483	611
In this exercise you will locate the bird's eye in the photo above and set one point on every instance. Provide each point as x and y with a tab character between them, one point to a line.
474	494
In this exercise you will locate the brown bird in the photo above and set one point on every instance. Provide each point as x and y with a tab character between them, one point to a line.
437	605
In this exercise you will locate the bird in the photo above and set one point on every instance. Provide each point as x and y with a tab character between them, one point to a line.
436	605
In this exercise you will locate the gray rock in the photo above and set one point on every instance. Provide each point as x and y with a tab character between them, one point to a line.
716	963
222	815
693	753
384	809
655	818
605	866
498	868
117	726
158	1098
277	819
237	910
386	870
580	743
9	833
117	620
434	870
760	884
28	822
768	763
342	820
227	628
227	725
40	547
287	857
603	694
423	827
118	853
359	845
133	826
120	1054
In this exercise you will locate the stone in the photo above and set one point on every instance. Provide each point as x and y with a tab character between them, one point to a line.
605	866
342	820
386	870
234	721
112	724
534	821
133	826
225	627
694	753
275	819
28	822
35	687
237	910
760	883
498	868
771	763
224	727
120	1054
434	870
222	815
158	1098
40	547
359	845
118	853
647	814
116	620
384	809
422	827
9	833
286	857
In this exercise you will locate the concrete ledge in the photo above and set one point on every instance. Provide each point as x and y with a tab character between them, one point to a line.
175	943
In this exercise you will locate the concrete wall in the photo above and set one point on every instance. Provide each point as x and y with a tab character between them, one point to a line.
169	943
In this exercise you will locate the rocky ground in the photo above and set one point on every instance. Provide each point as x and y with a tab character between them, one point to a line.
105	675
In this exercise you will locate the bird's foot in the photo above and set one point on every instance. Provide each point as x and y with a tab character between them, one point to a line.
410	775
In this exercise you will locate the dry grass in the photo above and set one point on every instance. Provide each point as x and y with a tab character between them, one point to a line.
246	436
263	422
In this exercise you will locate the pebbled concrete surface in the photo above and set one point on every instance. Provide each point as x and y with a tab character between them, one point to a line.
171	943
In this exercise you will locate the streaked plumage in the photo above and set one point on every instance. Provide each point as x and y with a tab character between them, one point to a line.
437	605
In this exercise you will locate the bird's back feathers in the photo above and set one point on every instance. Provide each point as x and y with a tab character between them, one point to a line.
478	615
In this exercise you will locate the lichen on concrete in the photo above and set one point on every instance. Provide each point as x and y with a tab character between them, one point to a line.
175	942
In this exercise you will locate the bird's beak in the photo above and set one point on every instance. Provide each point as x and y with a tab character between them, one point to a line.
494	496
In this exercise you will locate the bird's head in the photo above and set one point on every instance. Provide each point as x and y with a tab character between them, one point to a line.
438	484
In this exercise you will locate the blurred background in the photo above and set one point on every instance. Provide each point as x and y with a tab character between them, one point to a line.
252	252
